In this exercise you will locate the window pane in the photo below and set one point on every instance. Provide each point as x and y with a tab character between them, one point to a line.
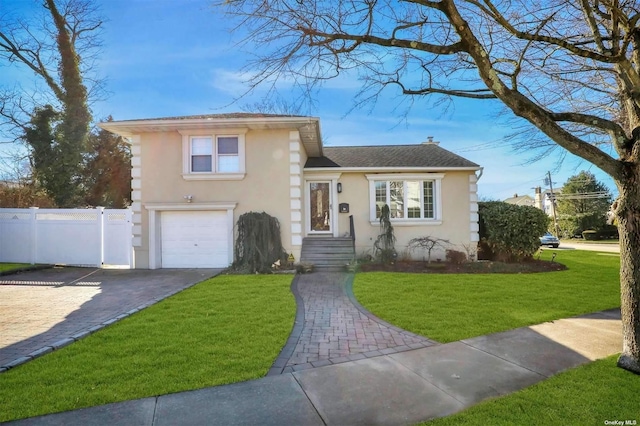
381	197
428	200
201	163
201	146
413	199
228	145
396	195
228	164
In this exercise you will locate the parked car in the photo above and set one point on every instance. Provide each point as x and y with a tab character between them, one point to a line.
549	240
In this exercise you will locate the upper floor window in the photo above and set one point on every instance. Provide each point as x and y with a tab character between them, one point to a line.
227	154
213	156
201	154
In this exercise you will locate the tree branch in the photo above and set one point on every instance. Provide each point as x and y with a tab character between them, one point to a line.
562	43
523	106
38	67
326	39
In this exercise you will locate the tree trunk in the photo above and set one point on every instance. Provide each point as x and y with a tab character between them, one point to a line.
628	215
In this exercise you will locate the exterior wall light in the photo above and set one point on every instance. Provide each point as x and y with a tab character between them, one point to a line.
339	187
189	198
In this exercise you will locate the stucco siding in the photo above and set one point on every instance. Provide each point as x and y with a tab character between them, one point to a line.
454	226
265	187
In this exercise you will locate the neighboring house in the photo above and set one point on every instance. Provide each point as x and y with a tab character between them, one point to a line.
545	199
521	200
194	176
541	201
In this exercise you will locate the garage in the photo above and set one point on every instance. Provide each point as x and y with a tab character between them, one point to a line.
195	239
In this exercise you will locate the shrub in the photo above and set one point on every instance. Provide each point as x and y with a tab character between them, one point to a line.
508	232
570	226
590	235
608	232
427	244
456	257
384	245
258	244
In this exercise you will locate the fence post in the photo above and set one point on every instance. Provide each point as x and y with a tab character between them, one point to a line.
129	215
100	211
33	238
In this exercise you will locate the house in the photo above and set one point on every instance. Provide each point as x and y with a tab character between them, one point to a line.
192	178
521	200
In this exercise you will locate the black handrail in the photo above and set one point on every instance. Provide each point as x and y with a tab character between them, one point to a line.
352	233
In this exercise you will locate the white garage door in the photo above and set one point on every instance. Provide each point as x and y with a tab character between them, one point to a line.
197	239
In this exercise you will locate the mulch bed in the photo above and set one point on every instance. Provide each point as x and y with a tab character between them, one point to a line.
480	267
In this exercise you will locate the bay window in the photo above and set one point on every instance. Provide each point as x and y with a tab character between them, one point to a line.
411	198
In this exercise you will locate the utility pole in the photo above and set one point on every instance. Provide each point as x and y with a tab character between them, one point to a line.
553	203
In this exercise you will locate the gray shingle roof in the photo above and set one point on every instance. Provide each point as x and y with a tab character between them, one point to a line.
218	116
422	155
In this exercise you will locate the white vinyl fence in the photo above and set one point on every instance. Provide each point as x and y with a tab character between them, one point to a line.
81	237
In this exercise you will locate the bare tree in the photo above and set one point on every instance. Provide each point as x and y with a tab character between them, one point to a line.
570	68
58	48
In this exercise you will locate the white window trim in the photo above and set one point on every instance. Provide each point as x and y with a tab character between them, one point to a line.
187	174
437	188
322	177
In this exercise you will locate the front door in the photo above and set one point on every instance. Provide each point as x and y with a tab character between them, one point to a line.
320	207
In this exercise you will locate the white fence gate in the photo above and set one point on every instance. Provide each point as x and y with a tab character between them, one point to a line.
80	237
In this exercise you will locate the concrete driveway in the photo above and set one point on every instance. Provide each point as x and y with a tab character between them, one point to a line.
44	310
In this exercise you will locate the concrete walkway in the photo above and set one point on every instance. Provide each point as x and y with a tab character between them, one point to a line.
399	388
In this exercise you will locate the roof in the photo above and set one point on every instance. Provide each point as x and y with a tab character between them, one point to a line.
309	127
227	115
427	155
521	200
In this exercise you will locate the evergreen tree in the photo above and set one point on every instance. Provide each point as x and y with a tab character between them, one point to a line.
107	171
582	204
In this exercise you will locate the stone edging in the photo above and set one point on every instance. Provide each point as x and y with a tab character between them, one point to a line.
280	365
287	350
67	341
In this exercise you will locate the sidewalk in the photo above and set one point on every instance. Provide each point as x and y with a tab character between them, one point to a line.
396	389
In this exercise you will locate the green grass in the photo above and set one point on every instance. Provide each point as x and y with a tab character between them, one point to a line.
586	395
223	330
10	266
450	307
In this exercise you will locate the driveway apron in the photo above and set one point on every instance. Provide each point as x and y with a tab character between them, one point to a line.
44	310
336	328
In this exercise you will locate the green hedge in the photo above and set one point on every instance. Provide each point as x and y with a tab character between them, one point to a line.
509	232
605	233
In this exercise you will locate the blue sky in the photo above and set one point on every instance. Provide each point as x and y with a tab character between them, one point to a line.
176	57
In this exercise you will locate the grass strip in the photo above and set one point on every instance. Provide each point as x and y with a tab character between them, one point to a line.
588	395
5	267
451	307
223	330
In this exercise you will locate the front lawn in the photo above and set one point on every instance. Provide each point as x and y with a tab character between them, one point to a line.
223	330
450	307
588	395
11	266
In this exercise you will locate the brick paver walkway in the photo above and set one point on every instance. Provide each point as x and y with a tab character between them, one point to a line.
336	330
41	311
